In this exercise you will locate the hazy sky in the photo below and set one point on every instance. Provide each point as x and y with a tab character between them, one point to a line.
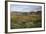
24	8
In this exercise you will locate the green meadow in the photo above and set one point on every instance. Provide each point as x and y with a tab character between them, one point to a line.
26	21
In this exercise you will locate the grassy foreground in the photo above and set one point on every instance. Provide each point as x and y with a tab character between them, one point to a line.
31	21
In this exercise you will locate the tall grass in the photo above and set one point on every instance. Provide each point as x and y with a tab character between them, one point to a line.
31	21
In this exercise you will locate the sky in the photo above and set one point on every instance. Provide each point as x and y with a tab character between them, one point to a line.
24	8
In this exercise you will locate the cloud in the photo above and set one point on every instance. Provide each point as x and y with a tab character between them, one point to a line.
24	8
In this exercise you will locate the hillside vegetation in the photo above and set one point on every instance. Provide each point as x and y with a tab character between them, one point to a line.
26	21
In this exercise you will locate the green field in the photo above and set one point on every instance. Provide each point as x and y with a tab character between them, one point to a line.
22	21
